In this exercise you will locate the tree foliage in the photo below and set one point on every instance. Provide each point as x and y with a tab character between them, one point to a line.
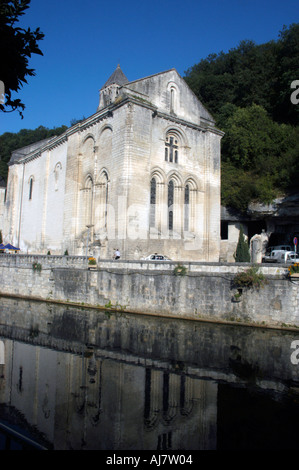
250	73
259	157
248	92
10	141
251	277
17	46
242	251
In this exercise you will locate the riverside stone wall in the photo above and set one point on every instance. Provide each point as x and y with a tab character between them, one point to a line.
206	290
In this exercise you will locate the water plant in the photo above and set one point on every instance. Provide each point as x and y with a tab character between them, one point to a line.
117	306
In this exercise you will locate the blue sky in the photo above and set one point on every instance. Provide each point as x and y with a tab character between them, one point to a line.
85	40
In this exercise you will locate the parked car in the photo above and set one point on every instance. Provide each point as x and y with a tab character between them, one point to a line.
281	247
271	258
294	257
279	256
157	257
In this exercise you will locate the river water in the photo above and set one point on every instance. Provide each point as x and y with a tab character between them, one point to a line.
82	379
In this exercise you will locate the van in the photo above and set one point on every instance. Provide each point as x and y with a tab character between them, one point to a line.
272	258
279	256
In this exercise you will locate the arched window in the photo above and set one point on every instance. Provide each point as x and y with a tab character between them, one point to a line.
171	148
170	204
172	99
30	187
153	201
186	207
190	198
104	182
88	201
57	171
100	204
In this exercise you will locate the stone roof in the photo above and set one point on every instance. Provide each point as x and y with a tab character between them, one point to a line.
21	153
117	78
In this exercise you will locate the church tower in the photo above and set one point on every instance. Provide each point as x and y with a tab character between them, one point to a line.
109	91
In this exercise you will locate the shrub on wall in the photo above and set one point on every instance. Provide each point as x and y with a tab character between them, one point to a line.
36	266
250	278
180	270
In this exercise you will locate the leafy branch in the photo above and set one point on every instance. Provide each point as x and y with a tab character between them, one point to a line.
17	46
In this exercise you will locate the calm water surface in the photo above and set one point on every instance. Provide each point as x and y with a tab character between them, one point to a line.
81	379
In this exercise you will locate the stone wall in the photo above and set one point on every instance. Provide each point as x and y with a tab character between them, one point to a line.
206	290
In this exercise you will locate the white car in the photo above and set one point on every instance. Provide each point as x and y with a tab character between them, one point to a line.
273	252
156	257
279	256
292	256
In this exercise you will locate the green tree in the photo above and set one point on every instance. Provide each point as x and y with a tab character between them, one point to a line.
242	252
17	46
259	157
75	121
252	139
238	187
248	92
286	71
251	73
10	141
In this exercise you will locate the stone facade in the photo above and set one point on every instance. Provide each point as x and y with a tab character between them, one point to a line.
142	174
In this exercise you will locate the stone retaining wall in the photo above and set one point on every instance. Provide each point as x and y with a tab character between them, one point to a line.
206	290
46	261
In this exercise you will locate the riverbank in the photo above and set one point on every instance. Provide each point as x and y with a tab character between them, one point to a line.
201	291
115	310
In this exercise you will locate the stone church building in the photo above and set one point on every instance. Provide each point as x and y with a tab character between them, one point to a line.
142	175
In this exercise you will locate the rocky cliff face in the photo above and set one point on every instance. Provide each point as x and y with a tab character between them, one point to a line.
281	207
264	225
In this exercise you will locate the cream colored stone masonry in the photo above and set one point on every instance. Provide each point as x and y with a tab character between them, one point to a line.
206	291
142	174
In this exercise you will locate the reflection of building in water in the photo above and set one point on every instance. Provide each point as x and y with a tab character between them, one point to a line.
179	411
88	402
2	356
